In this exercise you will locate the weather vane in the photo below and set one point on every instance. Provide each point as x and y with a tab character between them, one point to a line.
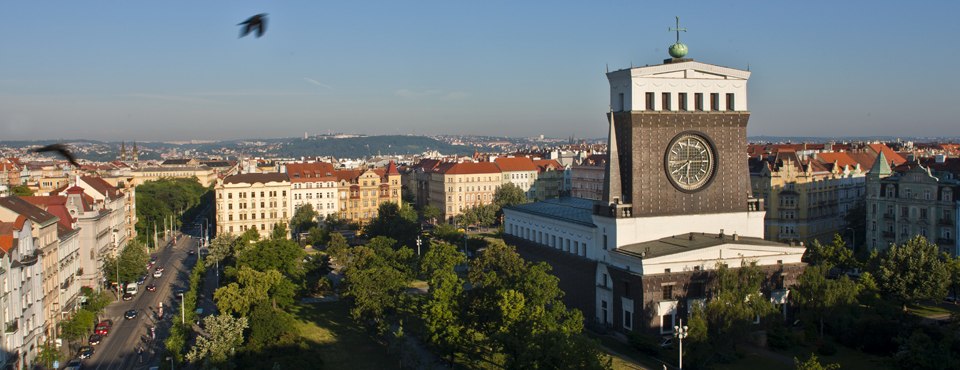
678	50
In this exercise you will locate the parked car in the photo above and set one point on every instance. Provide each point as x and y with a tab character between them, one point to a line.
151	288
127	296
160	268
94	339
103	328
130	314
74	364
85	352
141	280
157	274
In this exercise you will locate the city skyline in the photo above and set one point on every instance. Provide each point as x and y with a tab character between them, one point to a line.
169	72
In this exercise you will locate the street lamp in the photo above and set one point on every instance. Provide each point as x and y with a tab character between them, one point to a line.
680	331
419	242
171	362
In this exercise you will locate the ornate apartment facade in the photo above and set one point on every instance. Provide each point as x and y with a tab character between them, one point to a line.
252	201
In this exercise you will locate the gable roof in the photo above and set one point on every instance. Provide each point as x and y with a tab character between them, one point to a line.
508	164
547	165
55	205
467	168
891	155
101	186
30	211
310	172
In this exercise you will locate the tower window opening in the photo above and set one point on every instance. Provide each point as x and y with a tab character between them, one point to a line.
698	102
665	101
650	101
714	102
730	102
682	102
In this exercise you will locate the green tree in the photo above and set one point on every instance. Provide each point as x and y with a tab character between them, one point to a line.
835	254
448	233
224	335
131	262
304	218
813	363
158	200
271	327
508	195
337	247
856	219
822	298
396	222
316	236
279	231
254	287
220	249
440	258
440	313
48	354
283	255
954	267
375	292
431	213
78	326
737	302
21	191
913	271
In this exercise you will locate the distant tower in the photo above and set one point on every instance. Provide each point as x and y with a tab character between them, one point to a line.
123	151
136	153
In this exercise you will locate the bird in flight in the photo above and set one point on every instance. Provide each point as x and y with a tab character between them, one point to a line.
59	149
257	22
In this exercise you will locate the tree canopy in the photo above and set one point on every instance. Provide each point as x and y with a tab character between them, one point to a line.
225	334
396	222
913	271
165	198
509	194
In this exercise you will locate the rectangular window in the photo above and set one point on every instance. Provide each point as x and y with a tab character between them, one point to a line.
622	107
698	102
627	320
668	292
665	101
714	102
730	103
650	101
682	102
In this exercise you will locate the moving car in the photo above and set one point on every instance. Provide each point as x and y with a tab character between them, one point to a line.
160	269
94	339
85	352
130	314
151	288
103	328
127	296
157	274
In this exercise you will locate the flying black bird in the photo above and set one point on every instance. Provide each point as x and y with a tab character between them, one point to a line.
60	149
257	22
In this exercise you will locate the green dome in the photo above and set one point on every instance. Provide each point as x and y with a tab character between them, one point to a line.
678	50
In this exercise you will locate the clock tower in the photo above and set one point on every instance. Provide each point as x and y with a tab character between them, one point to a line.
677	139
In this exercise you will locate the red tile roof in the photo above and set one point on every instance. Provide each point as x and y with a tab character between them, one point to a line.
102	186
310	172
56	205
24	208
842	159
547	165
6	236
467	168
891	155
392	169
514	164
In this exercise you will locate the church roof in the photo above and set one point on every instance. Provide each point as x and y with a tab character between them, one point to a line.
689	242
570	209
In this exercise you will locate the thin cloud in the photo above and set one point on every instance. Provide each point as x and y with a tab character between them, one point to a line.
248	93
176	98
318	83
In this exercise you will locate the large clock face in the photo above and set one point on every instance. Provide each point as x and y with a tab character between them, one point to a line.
689	162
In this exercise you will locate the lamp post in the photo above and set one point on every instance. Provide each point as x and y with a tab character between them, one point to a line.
680	331
171	362
419	242
183	316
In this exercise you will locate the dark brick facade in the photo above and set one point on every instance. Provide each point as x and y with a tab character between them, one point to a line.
643	138
577	274
647	291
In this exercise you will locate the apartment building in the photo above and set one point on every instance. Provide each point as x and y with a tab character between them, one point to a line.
361	191
314	183
913	199
253	201
458	186
521	171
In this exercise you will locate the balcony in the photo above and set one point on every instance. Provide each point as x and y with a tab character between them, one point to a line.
945	241
12	327
30	259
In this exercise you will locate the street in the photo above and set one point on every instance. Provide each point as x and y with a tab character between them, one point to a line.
118	350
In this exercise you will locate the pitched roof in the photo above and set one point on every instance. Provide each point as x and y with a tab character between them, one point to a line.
891	155
30	211
310	172
56	205
509	164
467	168
842	159
692	241
6	236
392	169
101	186
249	178
547	164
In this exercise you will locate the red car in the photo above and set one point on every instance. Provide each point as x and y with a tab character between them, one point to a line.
151	288
103	328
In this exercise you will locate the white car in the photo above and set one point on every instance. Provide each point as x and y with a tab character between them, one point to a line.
157	274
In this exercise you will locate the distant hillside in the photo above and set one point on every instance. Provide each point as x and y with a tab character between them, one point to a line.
356	147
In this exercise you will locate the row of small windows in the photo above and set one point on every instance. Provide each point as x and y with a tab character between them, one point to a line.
561	243
253	194
683	103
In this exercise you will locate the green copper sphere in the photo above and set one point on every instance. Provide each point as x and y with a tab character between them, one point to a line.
678	50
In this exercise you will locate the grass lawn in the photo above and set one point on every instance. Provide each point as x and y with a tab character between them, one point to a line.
339	341
933	309
849	359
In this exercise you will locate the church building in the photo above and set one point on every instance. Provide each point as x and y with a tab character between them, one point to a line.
676	203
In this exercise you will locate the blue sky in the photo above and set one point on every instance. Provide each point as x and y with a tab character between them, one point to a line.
165	70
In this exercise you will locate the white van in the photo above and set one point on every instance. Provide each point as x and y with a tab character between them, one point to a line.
132	288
